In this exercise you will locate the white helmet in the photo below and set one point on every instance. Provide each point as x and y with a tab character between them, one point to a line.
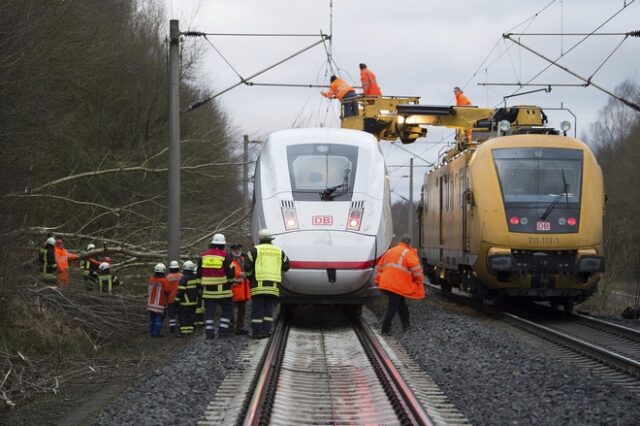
174	265
104	266
218	239
265	235
189	266
90	246
160	268
51	241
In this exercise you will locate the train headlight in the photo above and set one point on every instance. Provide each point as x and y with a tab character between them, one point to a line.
565	126
290	218
504	126
354	220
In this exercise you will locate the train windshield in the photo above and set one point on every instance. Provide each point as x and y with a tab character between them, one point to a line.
539	175
322	172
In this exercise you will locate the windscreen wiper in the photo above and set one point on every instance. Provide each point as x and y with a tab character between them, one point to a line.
565	192
328	193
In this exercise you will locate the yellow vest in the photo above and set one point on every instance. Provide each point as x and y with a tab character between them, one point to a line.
268	263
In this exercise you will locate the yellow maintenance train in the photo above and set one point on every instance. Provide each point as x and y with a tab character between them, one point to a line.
515	210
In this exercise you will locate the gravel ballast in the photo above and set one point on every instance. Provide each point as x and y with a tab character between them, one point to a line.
495	377
178	392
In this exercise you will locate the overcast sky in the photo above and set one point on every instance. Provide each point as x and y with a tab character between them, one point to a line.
416	48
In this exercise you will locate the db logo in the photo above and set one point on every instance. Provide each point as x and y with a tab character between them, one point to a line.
322	220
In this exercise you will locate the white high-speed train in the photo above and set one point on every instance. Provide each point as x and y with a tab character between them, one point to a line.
324	194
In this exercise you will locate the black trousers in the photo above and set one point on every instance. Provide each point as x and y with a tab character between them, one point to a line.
262	307
187	315
397	304
226	304
241	310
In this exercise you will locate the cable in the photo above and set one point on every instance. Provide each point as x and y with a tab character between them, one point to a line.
608	57
224	59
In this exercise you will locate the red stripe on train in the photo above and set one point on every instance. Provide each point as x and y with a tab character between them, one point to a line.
304	264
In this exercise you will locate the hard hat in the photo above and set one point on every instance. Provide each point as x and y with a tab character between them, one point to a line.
218	239
160	268
90	246
51	241
104	266
265	234
174	265
189	266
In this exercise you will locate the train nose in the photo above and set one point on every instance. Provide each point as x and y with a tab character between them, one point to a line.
327	263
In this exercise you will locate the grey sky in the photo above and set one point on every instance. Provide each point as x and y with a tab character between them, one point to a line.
415	47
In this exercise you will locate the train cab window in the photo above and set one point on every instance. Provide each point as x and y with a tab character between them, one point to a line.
322	172
539	175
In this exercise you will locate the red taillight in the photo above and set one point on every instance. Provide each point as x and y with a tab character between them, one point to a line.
354	220
514	220
572	221
290	218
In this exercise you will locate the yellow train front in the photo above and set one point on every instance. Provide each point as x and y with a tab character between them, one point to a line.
516	217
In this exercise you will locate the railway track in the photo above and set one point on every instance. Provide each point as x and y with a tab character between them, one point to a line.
610	350
329	375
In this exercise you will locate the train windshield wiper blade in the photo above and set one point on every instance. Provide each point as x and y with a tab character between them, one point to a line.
565	192
328	193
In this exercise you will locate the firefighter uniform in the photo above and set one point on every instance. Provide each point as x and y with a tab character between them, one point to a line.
107	281
47	262
158	290
187	301
399	275
215	268
265	265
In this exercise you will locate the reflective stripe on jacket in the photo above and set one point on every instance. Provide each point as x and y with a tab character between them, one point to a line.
399	272
369	84
106	282
188	290
265	265
338	89
158	289
240	286
215	269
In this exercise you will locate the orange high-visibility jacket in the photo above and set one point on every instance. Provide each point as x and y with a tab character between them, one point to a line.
369	84
240	287
462	100
63	257
174	281
158	290
338	89
399	271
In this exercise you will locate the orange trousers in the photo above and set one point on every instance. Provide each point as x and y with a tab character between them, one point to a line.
62	278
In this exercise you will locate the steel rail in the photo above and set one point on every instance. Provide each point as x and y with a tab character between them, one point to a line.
405	403
609	327
258	409
612	358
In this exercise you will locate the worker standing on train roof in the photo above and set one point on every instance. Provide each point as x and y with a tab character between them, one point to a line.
461	99
62	263
399	275
240	288
215	269
158	290
187	298
339	89
369	83
174	277
265	265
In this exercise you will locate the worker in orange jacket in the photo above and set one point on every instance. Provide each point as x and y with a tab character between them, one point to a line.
339	89
240	288
461	99
158	290
174	278
399	275
62	263
369	84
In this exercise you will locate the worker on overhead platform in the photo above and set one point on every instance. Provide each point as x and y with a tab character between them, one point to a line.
215	269
399	275
369	83
339	89
187	298
265	265
461	99
174	277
